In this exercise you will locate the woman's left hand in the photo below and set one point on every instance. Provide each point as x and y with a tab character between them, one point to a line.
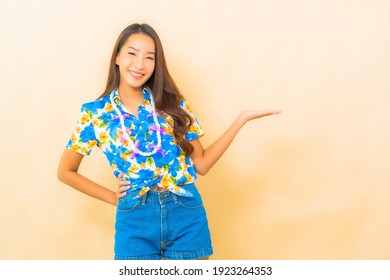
251	115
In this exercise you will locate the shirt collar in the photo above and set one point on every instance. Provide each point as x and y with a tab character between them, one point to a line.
145	91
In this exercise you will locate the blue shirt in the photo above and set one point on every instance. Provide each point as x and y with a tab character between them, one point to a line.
144	149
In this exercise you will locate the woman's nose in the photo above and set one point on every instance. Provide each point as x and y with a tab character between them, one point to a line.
139	64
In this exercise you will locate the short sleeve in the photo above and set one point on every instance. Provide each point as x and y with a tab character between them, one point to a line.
195	130
83	138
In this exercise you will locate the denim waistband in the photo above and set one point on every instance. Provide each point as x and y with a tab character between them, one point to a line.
158	197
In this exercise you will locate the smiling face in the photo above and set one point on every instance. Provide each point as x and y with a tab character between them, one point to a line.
136	61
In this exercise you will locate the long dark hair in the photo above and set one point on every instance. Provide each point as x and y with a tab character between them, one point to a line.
166	95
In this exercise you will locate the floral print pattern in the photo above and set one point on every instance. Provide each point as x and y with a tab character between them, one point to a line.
100	125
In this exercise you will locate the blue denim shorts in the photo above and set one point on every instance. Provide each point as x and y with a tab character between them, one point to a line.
162	225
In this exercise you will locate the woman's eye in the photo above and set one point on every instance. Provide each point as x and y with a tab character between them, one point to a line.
131	53
151	58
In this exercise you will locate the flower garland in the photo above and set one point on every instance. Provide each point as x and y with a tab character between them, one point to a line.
134	146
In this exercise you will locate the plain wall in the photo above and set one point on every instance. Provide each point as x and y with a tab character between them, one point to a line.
310	183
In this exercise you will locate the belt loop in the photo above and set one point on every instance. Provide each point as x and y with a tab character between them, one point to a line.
175	199
161	197
144	197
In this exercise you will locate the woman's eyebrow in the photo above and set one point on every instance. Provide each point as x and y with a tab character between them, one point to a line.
137	50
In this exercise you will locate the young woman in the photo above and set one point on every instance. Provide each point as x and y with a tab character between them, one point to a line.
150	137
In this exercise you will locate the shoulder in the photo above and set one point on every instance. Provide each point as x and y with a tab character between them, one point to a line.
184	104
95	105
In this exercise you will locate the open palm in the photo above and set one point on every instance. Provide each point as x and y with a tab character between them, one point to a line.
251	115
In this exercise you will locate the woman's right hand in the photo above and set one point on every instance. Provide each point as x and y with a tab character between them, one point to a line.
122	188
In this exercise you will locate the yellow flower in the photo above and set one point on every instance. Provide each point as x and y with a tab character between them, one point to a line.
170	121
91	144
84	118
166	179
169	129
73	137
134	168
124	141
103	137
124	156
143	191
95	122
109	107
194	129
78	129
75	148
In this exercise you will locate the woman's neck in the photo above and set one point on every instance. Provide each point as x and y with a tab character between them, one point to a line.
129	93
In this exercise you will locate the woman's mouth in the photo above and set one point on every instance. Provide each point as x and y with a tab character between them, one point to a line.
136	75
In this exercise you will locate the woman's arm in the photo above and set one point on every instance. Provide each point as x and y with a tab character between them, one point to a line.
204	159
68	174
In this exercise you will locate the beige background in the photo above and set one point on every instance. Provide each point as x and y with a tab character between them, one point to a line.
311	183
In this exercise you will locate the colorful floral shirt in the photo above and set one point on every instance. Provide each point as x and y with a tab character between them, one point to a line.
168	167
